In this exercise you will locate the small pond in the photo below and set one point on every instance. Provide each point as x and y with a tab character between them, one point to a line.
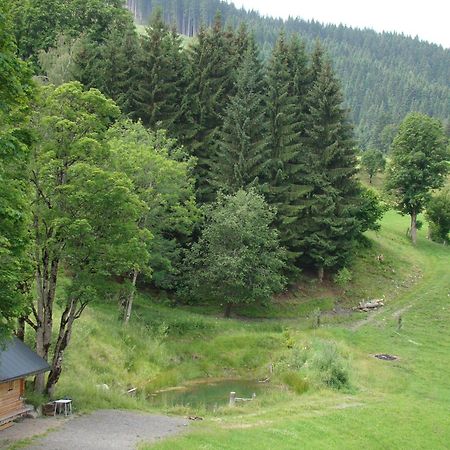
207	394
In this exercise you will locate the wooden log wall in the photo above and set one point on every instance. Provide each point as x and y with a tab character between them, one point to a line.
10	398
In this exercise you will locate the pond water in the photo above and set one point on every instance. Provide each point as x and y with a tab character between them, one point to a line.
208	394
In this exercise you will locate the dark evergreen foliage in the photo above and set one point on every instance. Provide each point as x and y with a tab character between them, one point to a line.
242	142
160	71
328	224
384	75
284	146
111	66
212	83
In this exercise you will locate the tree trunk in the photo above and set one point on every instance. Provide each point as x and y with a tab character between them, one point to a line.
39	381
414	227
228	307
130	298
20	332
70	314
46	279
320	274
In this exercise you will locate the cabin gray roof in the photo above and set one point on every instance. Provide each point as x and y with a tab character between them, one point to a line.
19	361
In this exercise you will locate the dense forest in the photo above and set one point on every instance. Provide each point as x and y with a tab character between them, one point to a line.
384	75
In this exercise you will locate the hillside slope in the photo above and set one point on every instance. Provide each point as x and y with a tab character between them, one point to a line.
384	75
399	404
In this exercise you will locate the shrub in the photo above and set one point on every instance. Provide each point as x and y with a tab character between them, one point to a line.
295	382
288	339
329	365
343	277
35	398
438	216
320	364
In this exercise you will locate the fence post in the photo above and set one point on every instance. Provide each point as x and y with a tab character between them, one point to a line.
232	398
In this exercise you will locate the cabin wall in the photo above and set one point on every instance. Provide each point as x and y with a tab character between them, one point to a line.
10	398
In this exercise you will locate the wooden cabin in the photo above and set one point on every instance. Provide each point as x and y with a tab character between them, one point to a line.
17	362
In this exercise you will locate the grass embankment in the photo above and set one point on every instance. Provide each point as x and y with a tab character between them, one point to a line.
401	404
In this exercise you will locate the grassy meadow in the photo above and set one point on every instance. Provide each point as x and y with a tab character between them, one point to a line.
327	389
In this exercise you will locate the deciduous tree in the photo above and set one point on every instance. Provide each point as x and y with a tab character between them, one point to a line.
15	92
84	217
164	183
372	162
419	164
237	260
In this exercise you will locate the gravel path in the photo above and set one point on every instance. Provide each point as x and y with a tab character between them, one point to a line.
27	428
109	430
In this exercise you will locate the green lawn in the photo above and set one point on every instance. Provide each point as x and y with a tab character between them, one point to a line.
400	404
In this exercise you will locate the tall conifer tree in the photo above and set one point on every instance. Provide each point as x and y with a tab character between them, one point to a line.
284	146
158	97
212	83
328	223
301	77
111	66
242	148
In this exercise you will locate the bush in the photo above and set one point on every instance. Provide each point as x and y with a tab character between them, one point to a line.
295	382
34	398
438	216
343	277
319	363
371	209
330	366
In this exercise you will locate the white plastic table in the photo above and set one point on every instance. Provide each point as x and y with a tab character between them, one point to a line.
63	406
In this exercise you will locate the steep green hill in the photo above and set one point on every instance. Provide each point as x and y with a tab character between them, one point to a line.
384	75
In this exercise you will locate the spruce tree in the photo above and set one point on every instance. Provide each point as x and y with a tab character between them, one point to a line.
212	83
158	97
301	75
328	222
317	61
242	40
242	148
111	66
283	190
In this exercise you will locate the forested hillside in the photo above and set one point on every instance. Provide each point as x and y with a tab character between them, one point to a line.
384	76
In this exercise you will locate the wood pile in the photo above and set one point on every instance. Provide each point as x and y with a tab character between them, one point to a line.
369	305
49	409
